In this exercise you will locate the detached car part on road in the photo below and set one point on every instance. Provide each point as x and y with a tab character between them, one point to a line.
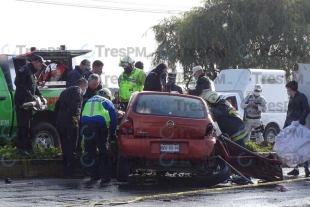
168	132
52	81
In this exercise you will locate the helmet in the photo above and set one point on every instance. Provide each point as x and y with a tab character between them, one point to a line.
105	92
127	60
212	97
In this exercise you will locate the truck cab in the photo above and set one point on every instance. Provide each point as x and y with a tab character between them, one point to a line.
51	82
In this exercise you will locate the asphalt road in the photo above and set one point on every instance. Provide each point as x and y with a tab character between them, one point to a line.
141	190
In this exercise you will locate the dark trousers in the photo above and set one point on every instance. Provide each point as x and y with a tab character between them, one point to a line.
68	138
24	124
95	136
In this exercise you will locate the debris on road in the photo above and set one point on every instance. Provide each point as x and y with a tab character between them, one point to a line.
282	189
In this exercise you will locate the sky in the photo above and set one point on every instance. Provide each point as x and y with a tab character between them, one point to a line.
87	24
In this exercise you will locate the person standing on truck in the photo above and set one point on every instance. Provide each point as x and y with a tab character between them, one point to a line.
171	86
68	109
131	80
203	84
77	72
154	80
26	89
99	120
97	67
253	105
297	112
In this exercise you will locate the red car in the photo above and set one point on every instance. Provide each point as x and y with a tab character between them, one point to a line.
168	132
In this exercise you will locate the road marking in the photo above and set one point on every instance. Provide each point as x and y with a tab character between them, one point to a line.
193	192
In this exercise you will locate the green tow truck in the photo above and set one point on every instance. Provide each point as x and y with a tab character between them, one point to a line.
52	81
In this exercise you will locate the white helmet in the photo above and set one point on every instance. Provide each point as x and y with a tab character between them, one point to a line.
105	92
126	60
212	97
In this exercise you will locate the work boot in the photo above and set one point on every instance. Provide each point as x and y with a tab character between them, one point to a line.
105	180
30	151
23	152
294	172
307	173
240	180
94	178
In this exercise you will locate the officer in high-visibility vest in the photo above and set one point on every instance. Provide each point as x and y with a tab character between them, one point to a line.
99	119
130	81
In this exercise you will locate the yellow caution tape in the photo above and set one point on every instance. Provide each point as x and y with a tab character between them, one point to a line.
139	198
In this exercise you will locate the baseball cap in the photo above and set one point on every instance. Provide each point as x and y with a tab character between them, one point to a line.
172	75
39	59
86	63
258	87
197	68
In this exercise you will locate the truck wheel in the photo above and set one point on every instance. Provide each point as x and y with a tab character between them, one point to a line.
271	132
122	171
45	135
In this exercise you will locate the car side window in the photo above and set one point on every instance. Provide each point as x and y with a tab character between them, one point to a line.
233	101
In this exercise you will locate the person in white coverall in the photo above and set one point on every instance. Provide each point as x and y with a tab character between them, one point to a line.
254	104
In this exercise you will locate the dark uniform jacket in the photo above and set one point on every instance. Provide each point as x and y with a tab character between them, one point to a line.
26	84
173	87
228	119
74	76
202	83
298	109
68	107
152	81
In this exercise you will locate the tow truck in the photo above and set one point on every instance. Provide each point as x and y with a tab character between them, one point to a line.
51	81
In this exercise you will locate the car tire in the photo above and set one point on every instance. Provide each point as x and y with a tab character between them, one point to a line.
220	176
271	132
45	135
122	171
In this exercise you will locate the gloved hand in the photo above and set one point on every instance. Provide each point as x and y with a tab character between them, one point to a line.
295	123
43	100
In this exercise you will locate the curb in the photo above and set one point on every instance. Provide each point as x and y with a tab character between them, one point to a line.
29	168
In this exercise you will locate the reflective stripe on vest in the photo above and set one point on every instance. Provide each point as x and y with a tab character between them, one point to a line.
128	86
93	107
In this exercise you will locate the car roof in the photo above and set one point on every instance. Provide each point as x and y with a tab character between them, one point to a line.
166	94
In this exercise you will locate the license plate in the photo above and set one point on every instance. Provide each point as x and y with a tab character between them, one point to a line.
169	148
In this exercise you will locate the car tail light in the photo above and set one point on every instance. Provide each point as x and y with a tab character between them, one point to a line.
127	127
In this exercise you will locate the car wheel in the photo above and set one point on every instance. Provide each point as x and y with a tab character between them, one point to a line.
270	133
122	171
220	174
45	135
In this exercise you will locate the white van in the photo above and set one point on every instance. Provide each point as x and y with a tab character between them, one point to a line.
302	76
236	84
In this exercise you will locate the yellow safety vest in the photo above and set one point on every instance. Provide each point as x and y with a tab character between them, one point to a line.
93	107
128	85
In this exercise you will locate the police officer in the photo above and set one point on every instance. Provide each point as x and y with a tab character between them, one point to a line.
68	109
131	80
202	85
171	86
254	104
26	88
99	120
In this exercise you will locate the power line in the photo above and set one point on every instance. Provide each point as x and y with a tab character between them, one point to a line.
142	4
102	7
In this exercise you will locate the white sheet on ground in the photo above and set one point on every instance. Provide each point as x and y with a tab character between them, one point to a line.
292	144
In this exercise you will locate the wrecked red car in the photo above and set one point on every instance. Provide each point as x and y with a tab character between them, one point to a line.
169	132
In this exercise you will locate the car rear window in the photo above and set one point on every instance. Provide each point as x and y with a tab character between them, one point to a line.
174	106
